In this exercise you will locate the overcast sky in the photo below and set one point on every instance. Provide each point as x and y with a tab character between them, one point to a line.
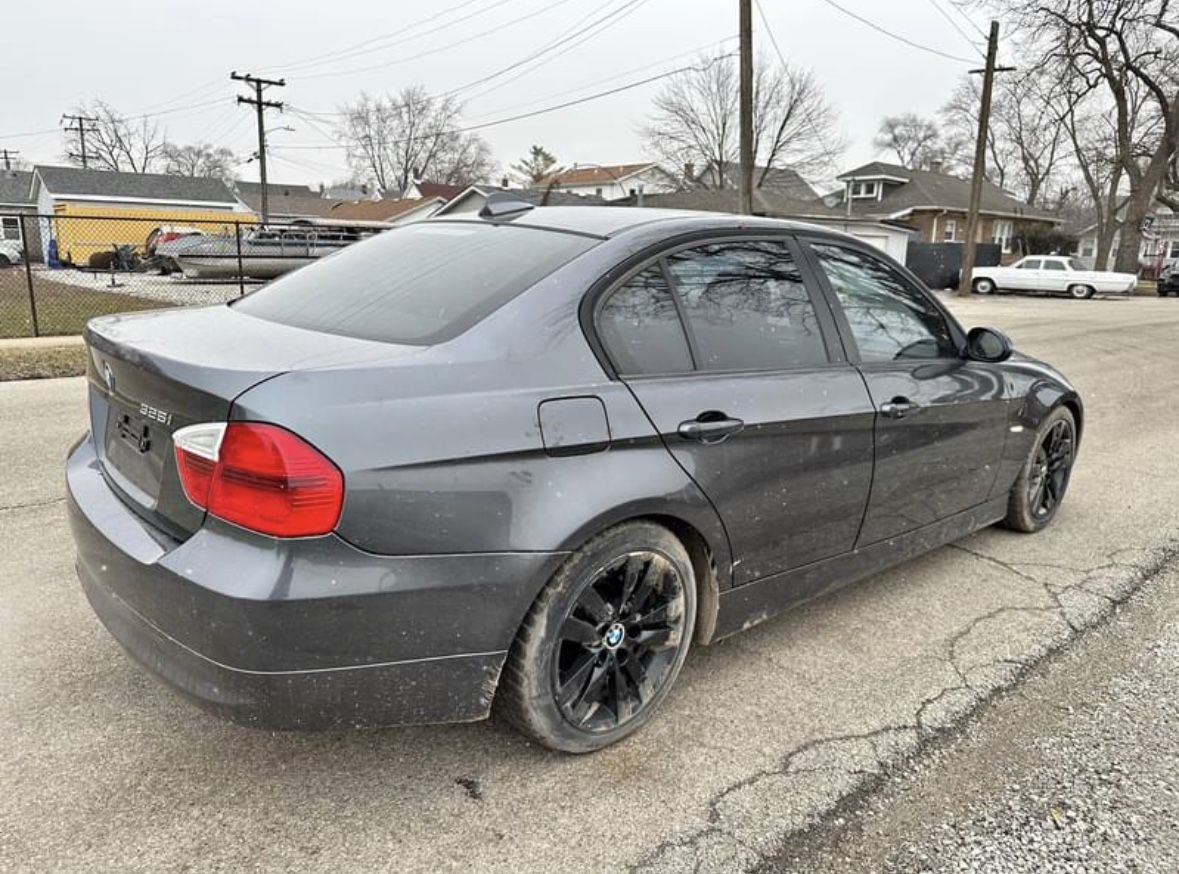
174	59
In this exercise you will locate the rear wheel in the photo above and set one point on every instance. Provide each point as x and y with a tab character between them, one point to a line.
5	261
604	642
983	286
1041	485
1080	292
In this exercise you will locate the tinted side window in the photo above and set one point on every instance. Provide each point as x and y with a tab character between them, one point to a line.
746	306
1053	265
640	327
889	319
1033	264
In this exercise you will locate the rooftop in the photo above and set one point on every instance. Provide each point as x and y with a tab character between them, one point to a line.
595	175
15	186
929	189
65	181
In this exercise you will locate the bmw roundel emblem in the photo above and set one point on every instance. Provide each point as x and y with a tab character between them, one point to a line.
109	376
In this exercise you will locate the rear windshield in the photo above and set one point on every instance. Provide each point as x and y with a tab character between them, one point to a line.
420	284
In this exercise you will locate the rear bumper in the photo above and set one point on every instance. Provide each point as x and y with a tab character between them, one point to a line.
306	633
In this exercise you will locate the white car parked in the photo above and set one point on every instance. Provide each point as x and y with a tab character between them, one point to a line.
10	253
1051	274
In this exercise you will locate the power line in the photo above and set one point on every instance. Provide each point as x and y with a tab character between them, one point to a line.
478	36
829	156
954	24
876	27
696	51
569	35
482	126
958	8
354	50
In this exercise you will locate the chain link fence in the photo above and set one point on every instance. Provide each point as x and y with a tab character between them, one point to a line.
59	271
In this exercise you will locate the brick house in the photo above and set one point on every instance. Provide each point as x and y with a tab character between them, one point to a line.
935	204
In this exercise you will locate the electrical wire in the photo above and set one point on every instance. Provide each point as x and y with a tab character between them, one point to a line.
358	49
896	36
478	36
954	24
829	157
566	91
568	103
564	38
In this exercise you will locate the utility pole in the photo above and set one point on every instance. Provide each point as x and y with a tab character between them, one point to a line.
81	125
260	106
8	156
980	158
746	107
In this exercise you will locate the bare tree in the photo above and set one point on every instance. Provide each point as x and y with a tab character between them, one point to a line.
1117	47
916	141
535	166
132	145
1023	151
392	138
694	120
200	159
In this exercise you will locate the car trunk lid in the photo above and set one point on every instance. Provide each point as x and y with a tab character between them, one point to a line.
152	374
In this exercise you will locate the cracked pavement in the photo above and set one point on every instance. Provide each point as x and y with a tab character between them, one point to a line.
763	736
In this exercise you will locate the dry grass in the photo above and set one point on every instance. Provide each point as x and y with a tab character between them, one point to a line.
61	308
42	363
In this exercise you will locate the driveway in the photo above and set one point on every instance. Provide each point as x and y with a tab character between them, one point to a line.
103	769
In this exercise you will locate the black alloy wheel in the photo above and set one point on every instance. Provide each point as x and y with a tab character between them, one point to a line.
1051	469
605	640
1038	491
618	642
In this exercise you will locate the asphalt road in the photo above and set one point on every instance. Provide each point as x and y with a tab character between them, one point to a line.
103	769
1074	770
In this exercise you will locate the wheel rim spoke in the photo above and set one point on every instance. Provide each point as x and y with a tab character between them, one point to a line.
1050	469
581	632
594	604
619	642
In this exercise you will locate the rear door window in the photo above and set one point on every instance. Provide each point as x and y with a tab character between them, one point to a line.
640	327
420	284
746	306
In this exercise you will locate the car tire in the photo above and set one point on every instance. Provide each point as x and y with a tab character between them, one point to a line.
583	627
983	286
1055	444
5	261
1080	292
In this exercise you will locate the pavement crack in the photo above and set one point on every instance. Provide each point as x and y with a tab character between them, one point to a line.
8	508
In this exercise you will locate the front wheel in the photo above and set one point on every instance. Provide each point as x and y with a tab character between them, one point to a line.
983	286
1080	292
604	642
1042	482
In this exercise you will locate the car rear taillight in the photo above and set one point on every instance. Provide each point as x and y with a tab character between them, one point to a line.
260	477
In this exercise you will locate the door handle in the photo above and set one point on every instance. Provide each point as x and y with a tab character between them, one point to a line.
709	427
898	408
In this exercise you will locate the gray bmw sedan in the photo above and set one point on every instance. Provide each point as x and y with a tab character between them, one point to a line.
527	459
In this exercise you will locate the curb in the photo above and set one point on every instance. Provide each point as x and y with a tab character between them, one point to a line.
40	342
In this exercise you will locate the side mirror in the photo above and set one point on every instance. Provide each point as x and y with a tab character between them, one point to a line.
987	344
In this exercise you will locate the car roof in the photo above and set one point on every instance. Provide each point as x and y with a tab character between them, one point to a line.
610	221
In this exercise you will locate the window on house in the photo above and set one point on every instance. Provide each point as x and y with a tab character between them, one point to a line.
1001	231
950	231
864	189
11	228
598	192
1088	250
1175	248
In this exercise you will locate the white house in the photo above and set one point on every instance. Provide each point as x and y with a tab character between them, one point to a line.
1160	243
611	182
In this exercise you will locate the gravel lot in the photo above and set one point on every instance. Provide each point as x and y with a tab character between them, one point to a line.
103	769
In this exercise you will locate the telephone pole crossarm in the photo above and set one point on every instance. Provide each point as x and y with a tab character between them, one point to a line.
260	105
